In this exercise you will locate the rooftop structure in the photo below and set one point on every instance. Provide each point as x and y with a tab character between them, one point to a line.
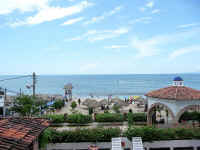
174	100
21	133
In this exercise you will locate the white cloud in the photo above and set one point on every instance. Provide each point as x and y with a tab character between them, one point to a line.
88	67
8	6
94	35
184	51
155	11
53	13
72	21
116	46
188	25
150	4
154	45
141	20
142	9
102	17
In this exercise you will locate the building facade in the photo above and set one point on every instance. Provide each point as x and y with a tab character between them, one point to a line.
173	100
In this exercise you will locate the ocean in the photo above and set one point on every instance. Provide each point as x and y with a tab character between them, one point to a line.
98	85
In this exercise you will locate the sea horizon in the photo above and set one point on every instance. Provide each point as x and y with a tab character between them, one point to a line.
99	85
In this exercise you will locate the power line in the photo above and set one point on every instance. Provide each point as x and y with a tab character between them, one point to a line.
16	78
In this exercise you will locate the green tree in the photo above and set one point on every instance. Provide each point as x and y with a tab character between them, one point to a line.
25	106
73	105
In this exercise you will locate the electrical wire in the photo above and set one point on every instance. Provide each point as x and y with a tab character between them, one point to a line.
16	78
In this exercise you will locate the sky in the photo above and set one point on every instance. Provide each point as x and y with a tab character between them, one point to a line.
99	36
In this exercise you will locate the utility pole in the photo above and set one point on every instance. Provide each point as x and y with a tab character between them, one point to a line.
20	92
34	82
5	94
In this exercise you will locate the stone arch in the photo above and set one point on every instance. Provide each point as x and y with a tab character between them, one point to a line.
149	112
195	107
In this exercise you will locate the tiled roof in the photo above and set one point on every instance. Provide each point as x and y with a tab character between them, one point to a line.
175	93
19	133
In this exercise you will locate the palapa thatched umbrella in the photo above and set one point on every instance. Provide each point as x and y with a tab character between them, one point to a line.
103	102
119	102
91	103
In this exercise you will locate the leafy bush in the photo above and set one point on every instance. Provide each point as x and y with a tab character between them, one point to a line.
73	105
84	135
188	116
139	117
90	109
155	134
59	104
106	134
109	117
116	108
56	118
130	119
79	118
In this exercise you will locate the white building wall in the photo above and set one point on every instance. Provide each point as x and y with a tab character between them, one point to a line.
174	105
1	100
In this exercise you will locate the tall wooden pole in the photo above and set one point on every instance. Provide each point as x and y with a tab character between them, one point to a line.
34	82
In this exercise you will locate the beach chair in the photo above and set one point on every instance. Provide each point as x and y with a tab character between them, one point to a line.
137	143
116	144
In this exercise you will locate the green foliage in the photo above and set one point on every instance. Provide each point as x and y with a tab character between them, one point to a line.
79	118
116	108
59	104
91	111
25	106
106	134
109	117
73	105
59	118
136	117
84	135
73	118
188	116
130	119
139	117
155	134
45	137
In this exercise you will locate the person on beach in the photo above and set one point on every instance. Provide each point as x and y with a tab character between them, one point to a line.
79	101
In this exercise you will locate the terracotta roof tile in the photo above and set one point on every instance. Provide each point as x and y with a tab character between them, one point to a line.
19	133
175	93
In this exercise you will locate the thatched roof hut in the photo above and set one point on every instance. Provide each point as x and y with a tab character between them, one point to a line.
91	103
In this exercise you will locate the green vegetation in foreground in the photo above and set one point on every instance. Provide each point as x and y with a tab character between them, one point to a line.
72	118
103	117
106	134
109	117
190	116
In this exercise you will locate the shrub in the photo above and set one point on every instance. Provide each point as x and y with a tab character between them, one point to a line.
106	134
59	104
56	118
109	117
116	108
130	119
90	110
155	134
84	135
79	118
139	117
73	105
188	116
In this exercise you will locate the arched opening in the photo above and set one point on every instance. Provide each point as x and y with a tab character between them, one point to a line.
160	113
189	113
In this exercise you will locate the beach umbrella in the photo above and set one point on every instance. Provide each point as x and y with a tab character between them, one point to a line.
103	102
119	102
91	103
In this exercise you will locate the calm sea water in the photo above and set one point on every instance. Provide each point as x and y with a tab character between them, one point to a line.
99	85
